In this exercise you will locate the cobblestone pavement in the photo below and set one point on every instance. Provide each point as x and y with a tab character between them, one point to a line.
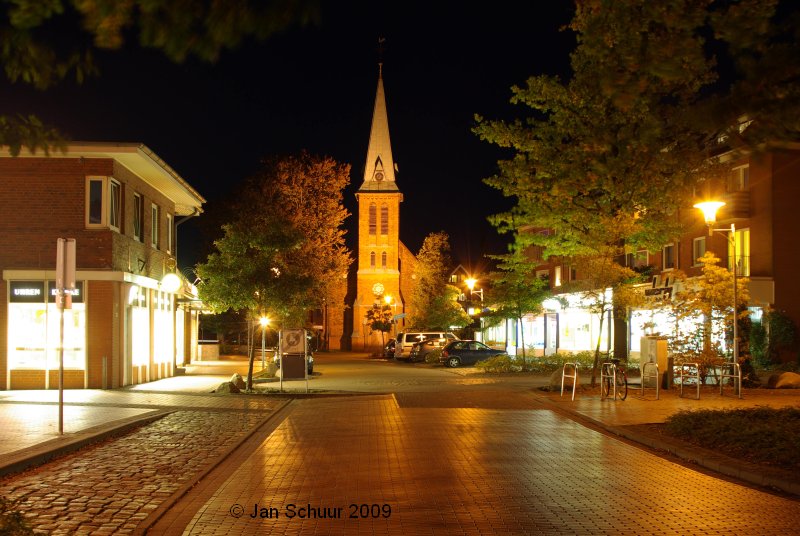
420	465
112	486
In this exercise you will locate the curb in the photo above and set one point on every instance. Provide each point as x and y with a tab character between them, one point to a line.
19	461
147	523
742	470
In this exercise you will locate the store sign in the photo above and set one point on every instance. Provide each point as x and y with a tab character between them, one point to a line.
77	292
26	292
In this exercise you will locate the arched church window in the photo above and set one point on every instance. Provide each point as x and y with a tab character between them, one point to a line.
384	220
373	217
372	259
383	259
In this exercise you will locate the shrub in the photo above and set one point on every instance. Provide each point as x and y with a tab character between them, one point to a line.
760	434
433	356
498	363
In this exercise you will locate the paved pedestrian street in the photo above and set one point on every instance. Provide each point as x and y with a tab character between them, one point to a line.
386	465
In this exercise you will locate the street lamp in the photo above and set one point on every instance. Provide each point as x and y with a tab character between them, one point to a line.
709	209
471	284
264	321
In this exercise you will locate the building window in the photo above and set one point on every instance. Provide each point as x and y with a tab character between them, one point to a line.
169	234
544	275
742	240
372	259
573	273
154	221
668	257
739	179
383	259
384	220
138	217
698	250
638	259
373	217
114	204
557	282
103	203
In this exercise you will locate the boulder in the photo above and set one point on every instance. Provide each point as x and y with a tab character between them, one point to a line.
227	387
784	380
238	381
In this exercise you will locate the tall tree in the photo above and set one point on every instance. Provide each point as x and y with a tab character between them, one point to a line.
434	302
515	290
283	250
44	41
607	158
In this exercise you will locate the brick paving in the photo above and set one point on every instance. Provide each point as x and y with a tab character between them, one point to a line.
442	469
111	487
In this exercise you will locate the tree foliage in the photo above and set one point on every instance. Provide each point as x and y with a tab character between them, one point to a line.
283	251
44	41
379	318
604	286
515	290
434	303
607	158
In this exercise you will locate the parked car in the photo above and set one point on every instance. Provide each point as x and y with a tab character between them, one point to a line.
388	349
420	350
459	353
407	339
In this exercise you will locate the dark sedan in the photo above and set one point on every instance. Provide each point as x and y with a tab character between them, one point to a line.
459	353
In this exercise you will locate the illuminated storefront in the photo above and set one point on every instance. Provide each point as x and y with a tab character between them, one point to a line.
34	335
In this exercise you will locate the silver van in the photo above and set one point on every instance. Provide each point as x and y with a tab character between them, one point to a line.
407	339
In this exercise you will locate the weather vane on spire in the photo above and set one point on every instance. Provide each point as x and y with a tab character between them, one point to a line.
381	41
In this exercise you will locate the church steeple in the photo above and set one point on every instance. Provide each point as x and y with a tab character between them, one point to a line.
379	171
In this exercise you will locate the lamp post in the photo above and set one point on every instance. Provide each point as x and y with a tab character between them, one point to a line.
264	321
388	299
471	284
709	209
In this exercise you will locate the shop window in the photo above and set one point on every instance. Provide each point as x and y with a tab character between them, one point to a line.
557	281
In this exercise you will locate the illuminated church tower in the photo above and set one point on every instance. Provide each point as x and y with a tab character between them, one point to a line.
379	247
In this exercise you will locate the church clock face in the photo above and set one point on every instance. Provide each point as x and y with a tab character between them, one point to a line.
377	289
379	175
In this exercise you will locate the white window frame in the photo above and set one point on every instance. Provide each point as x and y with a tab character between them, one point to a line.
170	237
108	186
695	248
664	266
138	217
155	217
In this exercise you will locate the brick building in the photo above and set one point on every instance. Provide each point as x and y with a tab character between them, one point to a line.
760	194
122	204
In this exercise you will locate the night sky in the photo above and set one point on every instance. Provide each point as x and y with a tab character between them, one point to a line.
313	88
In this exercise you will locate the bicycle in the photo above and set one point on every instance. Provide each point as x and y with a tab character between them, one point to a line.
614	377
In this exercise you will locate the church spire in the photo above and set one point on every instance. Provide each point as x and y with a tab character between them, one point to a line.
379	170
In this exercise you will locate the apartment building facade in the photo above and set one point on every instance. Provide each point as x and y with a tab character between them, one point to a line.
760	195
127	325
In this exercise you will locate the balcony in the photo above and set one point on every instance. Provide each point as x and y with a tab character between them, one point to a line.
737	205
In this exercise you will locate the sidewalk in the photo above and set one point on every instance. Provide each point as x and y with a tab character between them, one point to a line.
29	419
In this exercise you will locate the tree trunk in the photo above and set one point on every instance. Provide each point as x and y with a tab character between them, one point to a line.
522	341
597	348
250	346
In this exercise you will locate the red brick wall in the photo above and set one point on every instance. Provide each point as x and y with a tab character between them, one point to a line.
103	327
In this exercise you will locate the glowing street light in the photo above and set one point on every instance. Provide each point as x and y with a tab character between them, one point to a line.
471	285
264	321
709	210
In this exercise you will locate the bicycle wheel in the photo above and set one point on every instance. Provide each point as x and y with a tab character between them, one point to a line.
622	385
605	386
